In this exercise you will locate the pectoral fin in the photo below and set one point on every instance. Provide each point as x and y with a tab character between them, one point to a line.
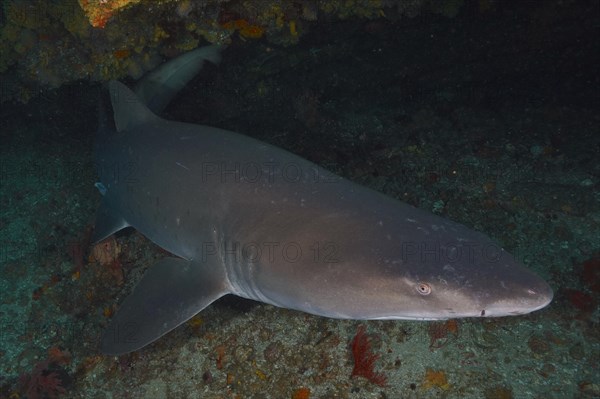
170	293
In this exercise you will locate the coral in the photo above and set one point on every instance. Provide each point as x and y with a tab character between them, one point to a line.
38	292
435	379
301	393
106	252
498	392
196	321
260	374
580	300
444	332
538	345
364	359
246	29
59	356
76	249
100	11
45	381
45	44
220	351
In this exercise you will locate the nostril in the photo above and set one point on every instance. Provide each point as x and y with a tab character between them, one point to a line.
483	313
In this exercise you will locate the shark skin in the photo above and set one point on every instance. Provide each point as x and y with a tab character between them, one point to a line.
246	218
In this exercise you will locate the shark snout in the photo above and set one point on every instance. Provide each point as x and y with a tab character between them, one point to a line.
519	300
540	296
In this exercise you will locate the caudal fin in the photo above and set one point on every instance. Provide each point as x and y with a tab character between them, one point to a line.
157	88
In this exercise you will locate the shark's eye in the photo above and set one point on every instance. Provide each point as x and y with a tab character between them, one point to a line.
424	288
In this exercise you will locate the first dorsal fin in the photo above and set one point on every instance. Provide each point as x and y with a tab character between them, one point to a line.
128	109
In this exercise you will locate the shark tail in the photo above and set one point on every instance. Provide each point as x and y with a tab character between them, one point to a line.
157	89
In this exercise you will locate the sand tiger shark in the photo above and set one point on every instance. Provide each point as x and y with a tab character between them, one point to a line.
243	217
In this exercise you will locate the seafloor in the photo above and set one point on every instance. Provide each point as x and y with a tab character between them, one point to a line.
493	122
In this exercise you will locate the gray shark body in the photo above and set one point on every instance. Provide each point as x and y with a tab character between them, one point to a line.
246	218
